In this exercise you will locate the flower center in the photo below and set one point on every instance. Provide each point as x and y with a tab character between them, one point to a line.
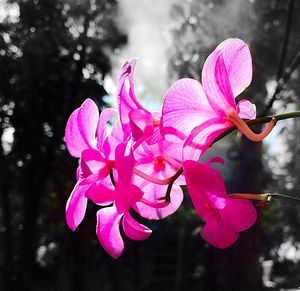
159	163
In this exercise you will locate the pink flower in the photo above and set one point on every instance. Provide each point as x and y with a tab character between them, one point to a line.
135	119
123	196
225	217
85	138
199	114
158	162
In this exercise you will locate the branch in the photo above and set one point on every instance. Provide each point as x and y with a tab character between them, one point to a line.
286	39
282	82
282	79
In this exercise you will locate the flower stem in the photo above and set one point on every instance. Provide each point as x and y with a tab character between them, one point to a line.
261	120
246	130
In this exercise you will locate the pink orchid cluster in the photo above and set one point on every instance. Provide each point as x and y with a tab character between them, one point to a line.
134	160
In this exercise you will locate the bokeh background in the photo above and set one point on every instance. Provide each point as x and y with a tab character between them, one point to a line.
56	53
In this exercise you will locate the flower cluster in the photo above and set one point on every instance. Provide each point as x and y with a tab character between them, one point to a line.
138	162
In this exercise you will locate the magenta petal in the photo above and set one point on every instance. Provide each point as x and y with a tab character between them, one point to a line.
76	205
113	140
108	231
238	215
105	116
81	128
185	106
126	97
92	162
124	162
246	109
216	234
205	186
156	136
216	84
141	123
101	193
135	230
153	192
238	62
201	138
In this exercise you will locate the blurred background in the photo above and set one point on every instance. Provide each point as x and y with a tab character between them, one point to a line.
56	53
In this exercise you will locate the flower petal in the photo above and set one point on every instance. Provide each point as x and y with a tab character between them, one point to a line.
238	215
81	128
101	192
126	96
206	187
76	205
153	192
113	140
238	62
141	123
92	162
105	116
124	162
185	106
216	234
246	109
108	231
135	230
216	84
202	137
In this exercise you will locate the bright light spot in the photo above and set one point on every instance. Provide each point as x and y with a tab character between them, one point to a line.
7	139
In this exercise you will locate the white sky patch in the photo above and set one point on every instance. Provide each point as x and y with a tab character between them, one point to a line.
147	25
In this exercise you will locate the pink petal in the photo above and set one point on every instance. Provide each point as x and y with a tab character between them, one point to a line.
108	231
185	106
205	186
135	230
216	84
238	62
113	140
76	205
141	123
92	162
238	215
216	234
124	162
126	97
153	192
101	193
105	116
81	128
126	195
156	136
202	137
246	109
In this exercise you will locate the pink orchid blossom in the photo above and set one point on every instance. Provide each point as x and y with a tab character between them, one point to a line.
135	119
155	164
225	217
85	138
123	196
198	114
